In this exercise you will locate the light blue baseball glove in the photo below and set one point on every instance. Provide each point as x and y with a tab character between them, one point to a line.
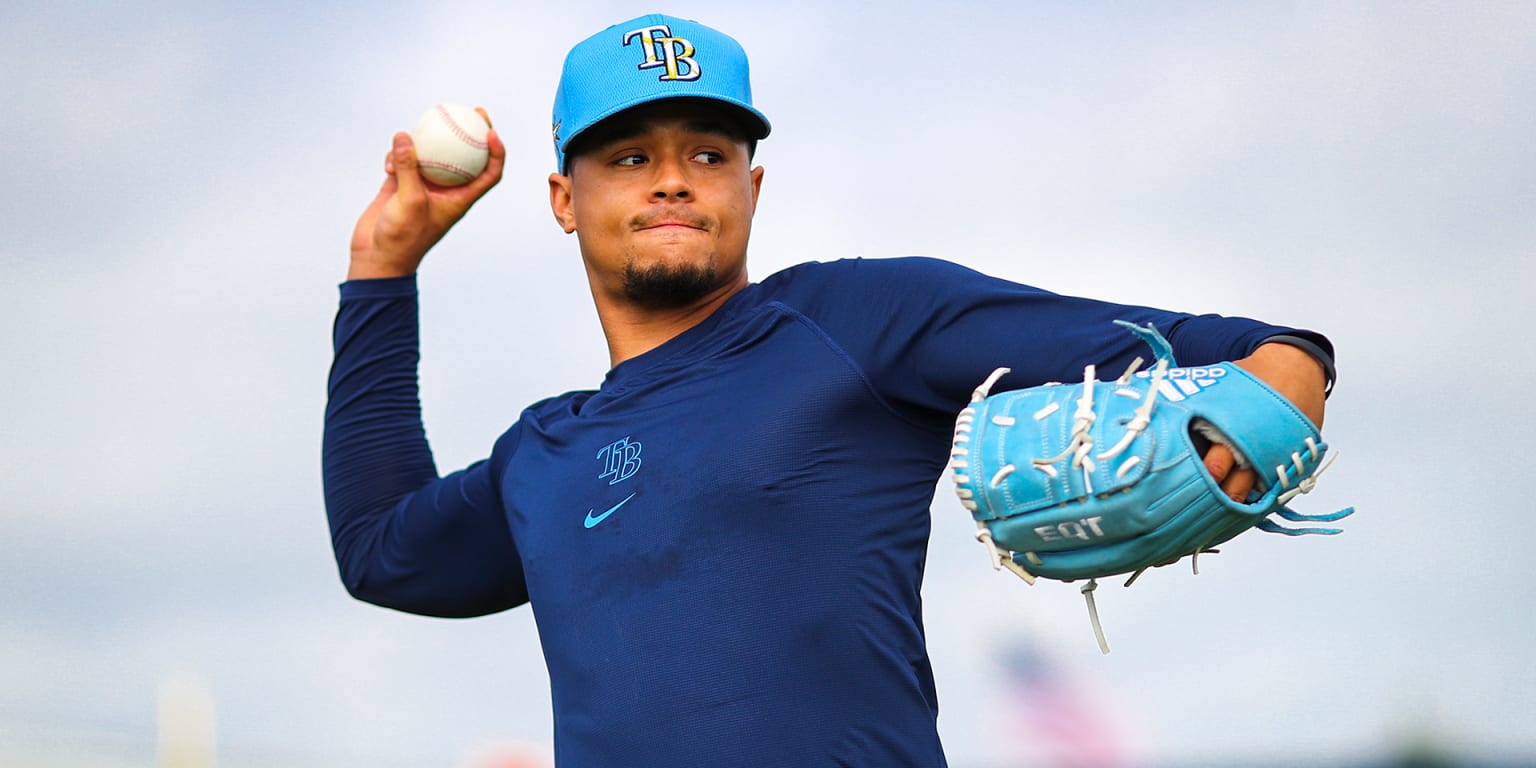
1101	478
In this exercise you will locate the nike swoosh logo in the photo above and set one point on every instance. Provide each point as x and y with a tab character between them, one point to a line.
591	522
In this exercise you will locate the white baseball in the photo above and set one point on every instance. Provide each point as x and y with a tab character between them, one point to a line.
450	144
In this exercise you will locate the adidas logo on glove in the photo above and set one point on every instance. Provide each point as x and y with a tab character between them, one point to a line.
1183	382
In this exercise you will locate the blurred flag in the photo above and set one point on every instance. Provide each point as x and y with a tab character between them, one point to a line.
508	754
1059	723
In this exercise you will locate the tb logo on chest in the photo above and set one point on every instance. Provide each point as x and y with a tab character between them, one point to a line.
621	460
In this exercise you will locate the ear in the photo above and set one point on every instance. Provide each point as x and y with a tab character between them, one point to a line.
561	202
757	185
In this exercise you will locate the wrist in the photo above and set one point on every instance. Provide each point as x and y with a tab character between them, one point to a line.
372	266
1292	372
372	272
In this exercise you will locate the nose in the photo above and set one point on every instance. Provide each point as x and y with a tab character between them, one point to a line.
671	181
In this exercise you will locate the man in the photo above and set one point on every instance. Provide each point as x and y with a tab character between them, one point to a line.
723	544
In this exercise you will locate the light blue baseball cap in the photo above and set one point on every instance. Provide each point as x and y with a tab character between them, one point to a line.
648	59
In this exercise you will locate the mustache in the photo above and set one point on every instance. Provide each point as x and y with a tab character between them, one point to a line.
669	216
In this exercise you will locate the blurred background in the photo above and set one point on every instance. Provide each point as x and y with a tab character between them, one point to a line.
181	180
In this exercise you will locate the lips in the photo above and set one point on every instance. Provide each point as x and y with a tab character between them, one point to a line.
660	219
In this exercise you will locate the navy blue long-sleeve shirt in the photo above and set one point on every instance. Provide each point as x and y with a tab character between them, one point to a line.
723	545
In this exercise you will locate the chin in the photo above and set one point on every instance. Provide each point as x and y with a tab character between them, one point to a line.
669	285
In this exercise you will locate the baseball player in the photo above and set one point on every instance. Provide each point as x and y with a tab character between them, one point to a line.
722	543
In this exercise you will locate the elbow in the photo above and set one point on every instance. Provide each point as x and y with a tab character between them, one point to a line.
445	579
422	597
392	597
357	583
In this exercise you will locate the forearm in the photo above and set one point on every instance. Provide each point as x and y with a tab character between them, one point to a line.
375	449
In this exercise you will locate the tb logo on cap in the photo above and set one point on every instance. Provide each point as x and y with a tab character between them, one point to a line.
664	50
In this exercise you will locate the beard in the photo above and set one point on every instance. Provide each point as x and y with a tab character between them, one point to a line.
666	286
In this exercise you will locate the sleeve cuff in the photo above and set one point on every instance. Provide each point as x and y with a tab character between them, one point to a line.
379	288
1323	356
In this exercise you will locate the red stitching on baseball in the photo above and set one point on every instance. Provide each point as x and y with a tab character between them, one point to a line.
459	132
449	167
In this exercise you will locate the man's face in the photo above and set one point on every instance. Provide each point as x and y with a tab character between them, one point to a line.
661	199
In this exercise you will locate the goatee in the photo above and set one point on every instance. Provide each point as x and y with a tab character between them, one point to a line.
668	287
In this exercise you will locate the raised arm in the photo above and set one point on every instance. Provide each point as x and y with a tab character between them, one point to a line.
405	538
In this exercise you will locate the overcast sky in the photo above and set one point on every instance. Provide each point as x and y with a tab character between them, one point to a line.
181	180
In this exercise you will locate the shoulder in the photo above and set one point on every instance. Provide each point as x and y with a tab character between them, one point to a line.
539	416
876	310
850	278
904	268
555	408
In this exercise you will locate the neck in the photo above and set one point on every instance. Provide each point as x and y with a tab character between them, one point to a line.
633	330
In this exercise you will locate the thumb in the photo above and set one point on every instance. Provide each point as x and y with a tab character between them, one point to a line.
406	169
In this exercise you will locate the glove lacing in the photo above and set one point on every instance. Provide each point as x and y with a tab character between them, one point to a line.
997	557
1079	455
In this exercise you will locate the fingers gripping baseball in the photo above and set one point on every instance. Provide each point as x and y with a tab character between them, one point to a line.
409	215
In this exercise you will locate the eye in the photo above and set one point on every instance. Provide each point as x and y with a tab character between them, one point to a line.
632	159
709	157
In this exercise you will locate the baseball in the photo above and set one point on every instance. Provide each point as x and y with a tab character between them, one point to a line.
450	144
